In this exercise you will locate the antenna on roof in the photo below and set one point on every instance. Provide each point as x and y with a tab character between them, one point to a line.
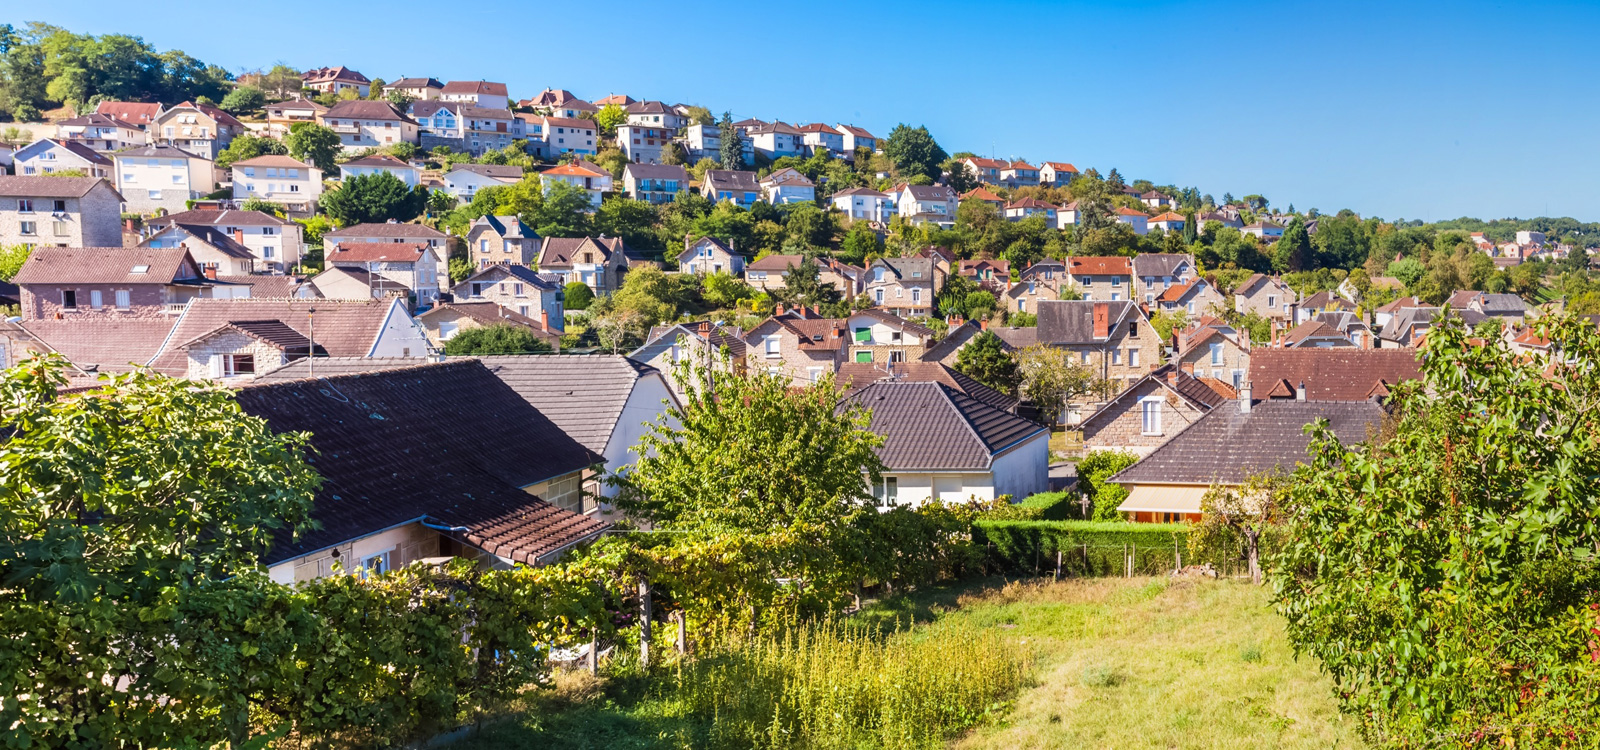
311	339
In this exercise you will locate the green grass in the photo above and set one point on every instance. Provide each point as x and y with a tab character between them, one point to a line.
1127	663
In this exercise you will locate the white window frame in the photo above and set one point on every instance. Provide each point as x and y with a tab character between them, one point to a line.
1150	415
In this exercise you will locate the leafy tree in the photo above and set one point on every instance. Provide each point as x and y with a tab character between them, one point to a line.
961	178
1245	512
314	144
608	118
375	88
578	296
263	205
1050	380
633	221
803	286
979	305
1408	270
246	146
859	244
1293	250
913	151
701	116
1444	572
1093	471
986	360
11	259
244	99
564	212
15	137
724	290
731	150
373	199
281	81
495	338
400	99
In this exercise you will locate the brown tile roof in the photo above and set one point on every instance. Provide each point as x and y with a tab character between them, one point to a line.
214	236
775	262
1177	291
857	375
371	252
220	218
138	113
474	87
365	109
1018	338
107	265
39	186
343	328
1030	203
559	251
982	194
489	313
583	395
1331	374
1091	265
1229	446
1309	330
448	443
111	344
272	332
380	161
395	230
931	426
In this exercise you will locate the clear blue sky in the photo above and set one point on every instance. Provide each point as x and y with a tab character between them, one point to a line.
1416	110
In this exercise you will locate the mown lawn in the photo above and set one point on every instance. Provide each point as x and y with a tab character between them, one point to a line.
1125	663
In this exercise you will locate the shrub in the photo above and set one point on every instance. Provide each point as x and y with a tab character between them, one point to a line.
496	338
1093	470
1088	548
1053	506
579	296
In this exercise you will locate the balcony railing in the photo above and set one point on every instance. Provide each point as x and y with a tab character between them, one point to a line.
174	308
344	129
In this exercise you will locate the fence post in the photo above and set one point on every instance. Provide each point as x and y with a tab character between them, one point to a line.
594	657
644	623
1127	562
1058	564
1177	554
683	631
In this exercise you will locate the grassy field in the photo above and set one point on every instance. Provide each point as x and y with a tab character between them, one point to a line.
1126	663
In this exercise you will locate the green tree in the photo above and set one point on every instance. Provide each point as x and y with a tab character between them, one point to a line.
979	305
244	99
913	151
986	360
1093	470
633	221
373	199
859	244
564	212
804	286
731	150
1293	250
246	146
608	118
495	338
724	290
314	144
1051	380
701	116
11	259
578	296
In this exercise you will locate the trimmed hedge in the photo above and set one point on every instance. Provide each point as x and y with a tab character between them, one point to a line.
1054	506
1096	548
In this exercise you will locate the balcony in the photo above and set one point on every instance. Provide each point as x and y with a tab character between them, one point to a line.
345	129
174	308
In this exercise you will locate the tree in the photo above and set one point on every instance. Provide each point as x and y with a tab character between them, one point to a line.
986	360
314	144
246	146
244	99
1293	250
495	338
803	286
979	305
1093	471
1244	512
913	151
15	137
961	178
860	243
1050	380
724	290
608	118
633	221
373	199
375	88
1444	571
11	259
578	296
281	81
701	116
731	148
1408	270
564	212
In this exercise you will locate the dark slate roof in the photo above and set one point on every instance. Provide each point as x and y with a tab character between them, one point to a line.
524	274
658	172
955	339
328	367
1195	391
931	426
446	442
732	180
1230	446
1018	338
1503	304
1159	264
220	218
1072	321
663	337
858	375
583	395
1331	374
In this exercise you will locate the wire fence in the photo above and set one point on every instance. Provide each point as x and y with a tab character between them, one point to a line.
1124	560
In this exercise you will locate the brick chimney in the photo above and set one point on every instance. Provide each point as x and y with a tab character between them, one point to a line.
544	319
778	310
983	325
238	235
1244	338
211	272
1102	320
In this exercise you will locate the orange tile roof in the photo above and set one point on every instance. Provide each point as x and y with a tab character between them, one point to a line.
1168	216
1111	265
1061	166
1175	292
982	194
979	161
572	170
1125	211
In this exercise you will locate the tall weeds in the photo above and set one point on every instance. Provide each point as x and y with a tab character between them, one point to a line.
833	685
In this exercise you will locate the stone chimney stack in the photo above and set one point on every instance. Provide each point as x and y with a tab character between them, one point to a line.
544	319
1244	398
238	235
1300	391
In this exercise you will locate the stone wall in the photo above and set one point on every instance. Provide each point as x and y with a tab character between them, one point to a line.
1122	426
43	301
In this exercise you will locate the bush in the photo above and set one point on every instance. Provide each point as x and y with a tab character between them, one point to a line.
1089	548
496	338
1054	506
1093	470
579	296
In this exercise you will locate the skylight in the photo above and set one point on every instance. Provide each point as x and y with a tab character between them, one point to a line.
141	269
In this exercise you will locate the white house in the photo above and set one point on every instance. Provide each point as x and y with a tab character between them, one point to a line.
593	180
411	265
275	242
381	163
709	255
466	180
1139	220
654	183
162	178
1263	229
865	204
818	137
927	204
101	132
788	186
277	178
485	94
654	114
49	156
855	138
642	144
363	124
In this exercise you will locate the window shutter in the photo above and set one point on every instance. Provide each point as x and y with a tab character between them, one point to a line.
216	365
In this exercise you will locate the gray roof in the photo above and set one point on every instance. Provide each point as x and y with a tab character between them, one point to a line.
390	230
547	282
163	152
1159	264
583	395
910	268
1018	338
509	227
327	367
931	192
728	179
662	338
1503	304
954	340
931	426
1230	446
1072	321
858	375
39	186
657	172
1188	387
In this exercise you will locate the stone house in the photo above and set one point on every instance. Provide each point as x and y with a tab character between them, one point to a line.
446	319
1114	339
199	129
501	239
355	328
162	178
1196	297
111	282
275	243
1102	278
1150	411
536	296
1154	273
1266	296
881	337
803	349
1215	351
47	156
599	262
708	255
236	350
411	265
701	343
60	211
767	273
903	286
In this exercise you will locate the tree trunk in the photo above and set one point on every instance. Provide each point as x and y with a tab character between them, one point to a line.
1252	538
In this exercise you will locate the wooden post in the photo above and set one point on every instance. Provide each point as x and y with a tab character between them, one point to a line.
1177	555
1127	565
644	624
683	631
1058	563
594	655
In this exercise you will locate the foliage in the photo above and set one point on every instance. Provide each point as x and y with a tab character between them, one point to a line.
244	99
608	118
731	144
44	65
804	286
724	290
1245	512
246	146
913	151
11	259
633	221
1447	577
564	212
495	338
1050	380
1167	321
373	199
1093	471
1088	548
986	360
314	144
578	296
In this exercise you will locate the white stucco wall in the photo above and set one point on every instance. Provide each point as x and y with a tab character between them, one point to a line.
402	336
1025	469
643	408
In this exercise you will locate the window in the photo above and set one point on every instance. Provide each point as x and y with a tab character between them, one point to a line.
1116	281
772	344
155	195
1272	301
25	205
69	299
1022	305
1150	411
1085	354
28	228
94	299
887	491
1133	357
375	565
899	292
897	356
878	296
916	296
123	301
814	374
1190	307
483	246
864	356
1216	354
1088	281
1116	356
238	364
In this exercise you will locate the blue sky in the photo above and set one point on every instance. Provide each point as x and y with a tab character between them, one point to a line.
1415	110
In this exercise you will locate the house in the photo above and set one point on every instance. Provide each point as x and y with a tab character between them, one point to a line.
436	460
364	124
548	100
1113	339
717	349
1406	327
865	204
441	124
595	181
1167	222
1028	207
162	178
599	262
857	375
101	132
985	170
60	211
1313	333
92	345
1139	220
465	180
485	94
533	295
1227	219
776	139
335	80
284	180
787	186
283	116
419	89
410	265
1150	411
382	164
621	100
819	137
563	135
1266	296
1382	315
1351	326
1341	374
274	244
803	349
643	144
1194	297
1067	216
1057	174
1322	302
204	343
390	232
1101	278
981	193
942	445
443	321
1215	352
738	186
501	239
856	138
84	283
490	129
1506	307
984	270
927	204
217	253
883	337
706	255
1231	444
767	273
654	114
1041	281
903	286
705	142
1155	199
199	129
48	156
654	183
1017	174
1264	230
141	114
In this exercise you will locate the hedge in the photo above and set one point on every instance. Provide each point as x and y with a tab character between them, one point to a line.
1096	548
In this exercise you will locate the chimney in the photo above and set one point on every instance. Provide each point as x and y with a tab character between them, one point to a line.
1244	338
127	226
778	310
1244	398
238	235
1300	391
983	325
544	319
211	272
1102	320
